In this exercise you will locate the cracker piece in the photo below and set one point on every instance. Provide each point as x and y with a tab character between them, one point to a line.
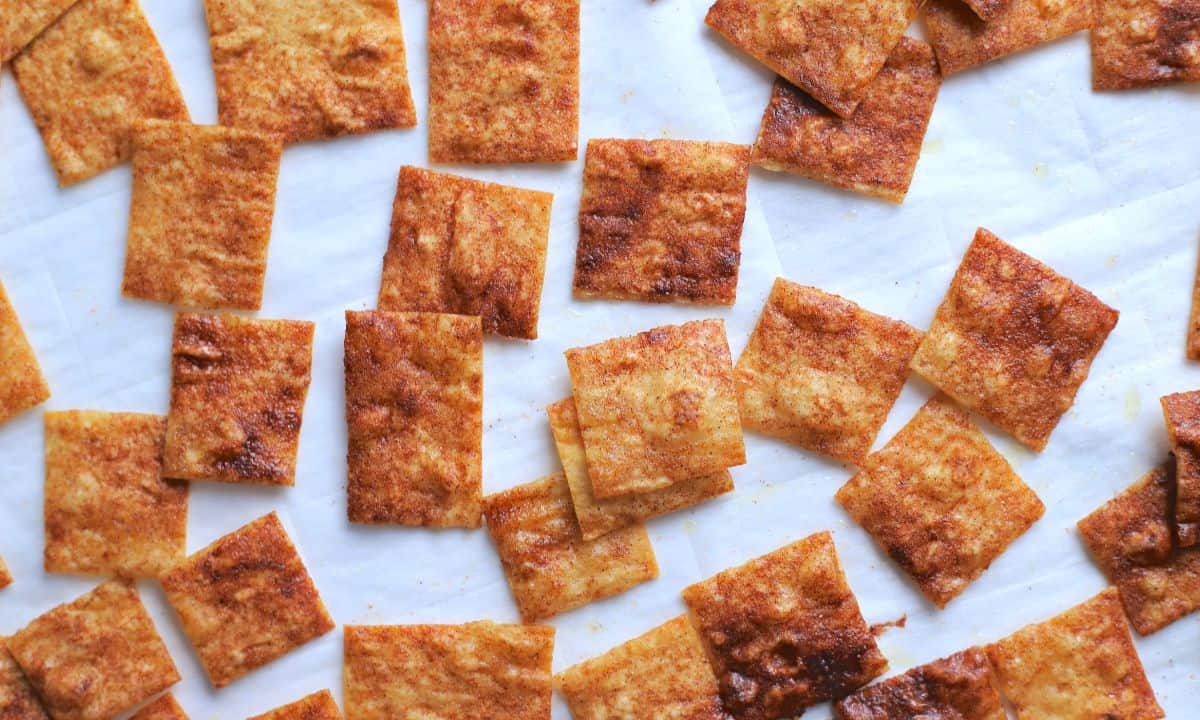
958	687
5	576
17	699
1013	340
961	39
784	631
657	408
23	20
503	81
237	398
661	221
1140	43
1193	340
88	77
246	600
1181	411
414	408
21	383
465	246
448	672
94	657
550	567
317	706
305	69
874	152
164	708
1079	665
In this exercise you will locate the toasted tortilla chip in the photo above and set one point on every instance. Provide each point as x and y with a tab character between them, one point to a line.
17	699
317	706
958	687
961	39
661	221
1140	43
5	578
1080	665
23	20
784	631
164	708
470	247
1013	340
1181	411
21	383
503	81
657	408
246	600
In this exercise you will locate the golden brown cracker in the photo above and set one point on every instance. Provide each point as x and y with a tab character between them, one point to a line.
1181	411
5	576
23	20
961	39
164	708
1139	43
17	699
958	687
21	383
317	706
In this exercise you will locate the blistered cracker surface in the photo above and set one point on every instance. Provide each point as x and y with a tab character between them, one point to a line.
822	372
5	576
657	407
958	687
465	246
246	600
1181	412
108	509
503	81
23	20
164	708
21	383
88	77
1080	665
784	631
96	656
1013	340
874	152
475	671
317	706
414	409
1139	43
17	699
200	215
661	221
305	69
238	387
960	39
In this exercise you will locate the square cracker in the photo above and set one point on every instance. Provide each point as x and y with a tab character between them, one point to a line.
958	687
873	152
414	408
164	708
1013	340
23	20
941	501
108	508
661	221
17	699
246	600
784	631
306	69
238	387
657	408
821	372
1139	43
200	215
317	706
961	39
1079	665
466	246
88	77
550	567
503	81
21	383
1181	411
94	657
476	670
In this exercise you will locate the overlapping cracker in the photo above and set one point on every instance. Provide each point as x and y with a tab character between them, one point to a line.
822	372
164	708
17	699
1013	340
448	672
961	39
246	600
5	575
1181	411
21	383
784	631
317	706
657	408
958	687
1140	43
108	509
873	152
1080	665
305	69
465	246
23	20
661	221
237	398
503	81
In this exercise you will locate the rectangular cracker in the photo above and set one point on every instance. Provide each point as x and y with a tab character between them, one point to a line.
961	39
246	600
414	409
1013	340
470	247
17	698
550	567
958	687
503	81
200	215
238	387
21	383
305	69
661	221
1142	43
317	706
23	20
1181	412
792	604
657	408
164	708
822	372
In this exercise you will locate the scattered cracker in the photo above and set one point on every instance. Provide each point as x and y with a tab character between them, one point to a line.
5	578
821	372
961	39
317	706
17	699
24	20
955	688
784	631
164	708
237	398
1013	340
21	383
1139	43
1181	411
503	81
246	600
661	221
466	246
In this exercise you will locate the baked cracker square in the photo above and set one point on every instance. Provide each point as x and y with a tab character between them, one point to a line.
21	383
958	687
24	20
1181	411
961	39
164	708
317	706
465	246
1140	43
246	600
1013	340
17	699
